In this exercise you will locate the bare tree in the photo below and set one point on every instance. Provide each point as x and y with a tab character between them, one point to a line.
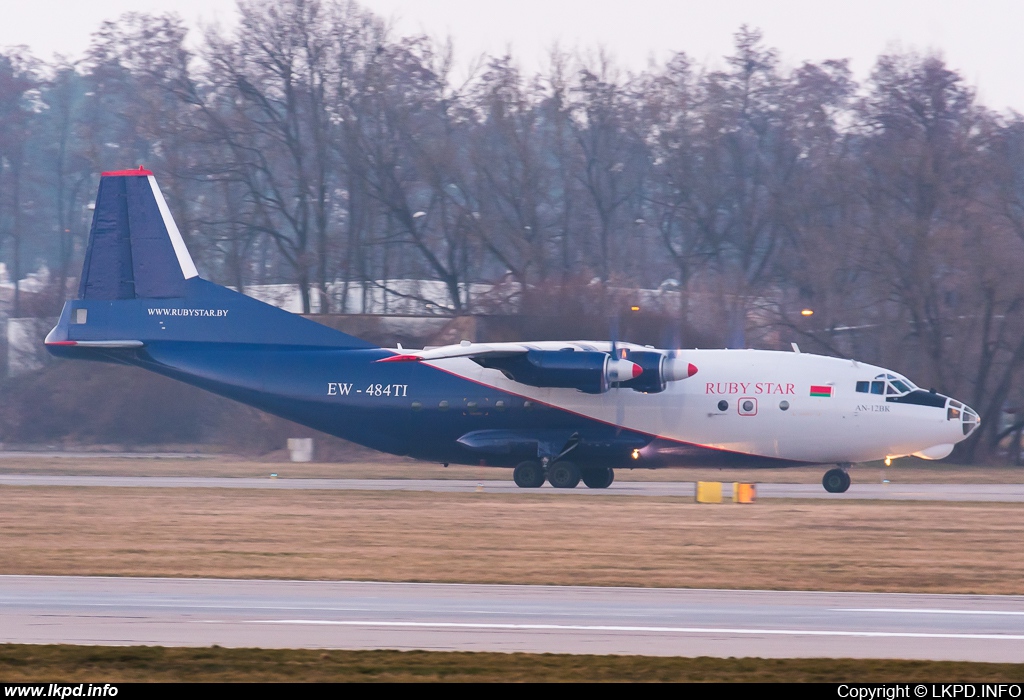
18	80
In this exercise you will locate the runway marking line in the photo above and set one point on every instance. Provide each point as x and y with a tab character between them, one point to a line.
618	628
930	611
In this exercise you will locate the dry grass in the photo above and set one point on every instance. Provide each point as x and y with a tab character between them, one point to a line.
26	663
909	470
502	538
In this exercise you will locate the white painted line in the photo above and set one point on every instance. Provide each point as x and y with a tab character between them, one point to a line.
931	611
188	268
618	628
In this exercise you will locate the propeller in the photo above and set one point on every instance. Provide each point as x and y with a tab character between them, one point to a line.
620	408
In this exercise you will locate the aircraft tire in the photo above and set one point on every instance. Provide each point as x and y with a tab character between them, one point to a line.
598	477
528	475
836	481
564	475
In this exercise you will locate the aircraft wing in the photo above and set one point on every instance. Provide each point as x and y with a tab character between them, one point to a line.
463	349
587	367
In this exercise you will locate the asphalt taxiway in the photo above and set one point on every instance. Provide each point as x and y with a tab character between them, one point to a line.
469	617
1013	493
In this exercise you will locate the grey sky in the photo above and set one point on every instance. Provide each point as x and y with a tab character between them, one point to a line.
981	39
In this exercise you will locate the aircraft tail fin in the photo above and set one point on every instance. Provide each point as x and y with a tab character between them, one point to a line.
135	249
139	286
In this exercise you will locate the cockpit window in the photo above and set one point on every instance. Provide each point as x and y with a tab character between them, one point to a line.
886	385
893	385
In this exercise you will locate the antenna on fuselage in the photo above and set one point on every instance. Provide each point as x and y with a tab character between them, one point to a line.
796	348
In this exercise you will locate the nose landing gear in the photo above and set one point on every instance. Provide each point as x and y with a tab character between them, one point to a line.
836	480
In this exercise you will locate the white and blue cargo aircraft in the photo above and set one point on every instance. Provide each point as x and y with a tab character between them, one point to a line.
555	411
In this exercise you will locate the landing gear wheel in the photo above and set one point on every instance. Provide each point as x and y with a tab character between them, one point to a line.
564	475
529	475
598	477
836	481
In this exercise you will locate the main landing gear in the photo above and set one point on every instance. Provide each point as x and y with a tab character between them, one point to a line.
598	477
529	475
836	480
562	475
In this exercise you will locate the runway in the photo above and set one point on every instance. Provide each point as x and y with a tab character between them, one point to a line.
1013	493
360	615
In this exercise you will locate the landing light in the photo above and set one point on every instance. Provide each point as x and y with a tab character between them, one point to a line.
888	461
636	454
807	312
634	308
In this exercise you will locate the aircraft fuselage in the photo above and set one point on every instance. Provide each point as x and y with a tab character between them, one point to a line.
557	411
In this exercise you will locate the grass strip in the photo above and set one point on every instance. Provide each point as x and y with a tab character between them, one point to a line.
68	663
928	547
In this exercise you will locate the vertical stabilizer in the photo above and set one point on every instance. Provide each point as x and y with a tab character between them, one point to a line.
135	249
140	288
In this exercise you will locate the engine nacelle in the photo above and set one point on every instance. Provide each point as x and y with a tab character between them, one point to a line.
658	371
652	380
589	372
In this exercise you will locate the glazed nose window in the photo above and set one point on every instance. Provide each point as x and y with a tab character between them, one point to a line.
953	411
971	420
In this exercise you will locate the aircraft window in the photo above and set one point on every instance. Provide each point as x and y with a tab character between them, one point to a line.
416	405
748	406
723	405
784	405
443	406
863	387
971	420
499	405
956	404
901	387
891	390
471	404
877	387
952	413
527	405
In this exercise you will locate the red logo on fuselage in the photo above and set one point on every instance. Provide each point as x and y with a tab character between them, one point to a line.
749	388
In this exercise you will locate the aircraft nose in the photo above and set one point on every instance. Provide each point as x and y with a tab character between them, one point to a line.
963	414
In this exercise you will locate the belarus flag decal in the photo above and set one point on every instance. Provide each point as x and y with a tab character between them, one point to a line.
825	391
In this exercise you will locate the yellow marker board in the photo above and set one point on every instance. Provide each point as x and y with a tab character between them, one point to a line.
709	492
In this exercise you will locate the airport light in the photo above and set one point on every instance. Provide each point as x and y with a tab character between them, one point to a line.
634	308
807	312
